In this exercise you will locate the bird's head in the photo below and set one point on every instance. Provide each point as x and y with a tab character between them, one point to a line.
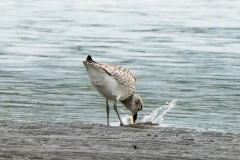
134	104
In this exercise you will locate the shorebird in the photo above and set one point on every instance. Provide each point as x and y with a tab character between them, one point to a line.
114	83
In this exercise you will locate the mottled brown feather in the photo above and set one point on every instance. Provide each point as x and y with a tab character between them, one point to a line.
122	75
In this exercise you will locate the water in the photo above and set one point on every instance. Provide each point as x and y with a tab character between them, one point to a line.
157	115
188	50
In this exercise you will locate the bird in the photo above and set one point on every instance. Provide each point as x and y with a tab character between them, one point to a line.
114	83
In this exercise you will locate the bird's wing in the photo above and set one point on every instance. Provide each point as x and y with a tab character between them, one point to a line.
122	75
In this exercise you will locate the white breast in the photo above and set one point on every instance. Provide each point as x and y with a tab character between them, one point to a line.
107	86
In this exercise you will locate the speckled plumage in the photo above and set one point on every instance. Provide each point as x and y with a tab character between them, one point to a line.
114	83
123	76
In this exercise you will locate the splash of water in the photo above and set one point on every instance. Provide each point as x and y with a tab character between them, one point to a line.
156	117
158	114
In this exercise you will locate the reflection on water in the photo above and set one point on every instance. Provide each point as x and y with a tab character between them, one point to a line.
187	50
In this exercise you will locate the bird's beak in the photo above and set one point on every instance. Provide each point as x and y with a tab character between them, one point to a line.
135	117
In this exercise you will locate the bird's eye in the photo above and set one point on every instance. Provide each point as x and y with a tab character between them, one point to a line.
136	103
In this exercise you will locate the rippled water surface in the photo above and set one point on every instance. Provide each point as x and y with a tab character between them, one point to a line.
188	50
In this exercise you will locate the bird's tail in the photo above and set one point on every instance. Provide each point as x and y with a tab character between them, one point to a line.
89	59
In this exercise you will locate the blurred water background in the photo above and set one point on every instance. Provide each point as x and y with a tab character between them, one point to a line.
187	50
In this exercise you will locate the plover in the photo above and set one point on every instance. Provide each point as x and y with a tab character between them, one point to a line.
114	83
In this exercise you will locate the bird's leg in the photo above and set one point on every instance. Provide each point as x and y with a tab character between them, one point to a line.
107	108
115	108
